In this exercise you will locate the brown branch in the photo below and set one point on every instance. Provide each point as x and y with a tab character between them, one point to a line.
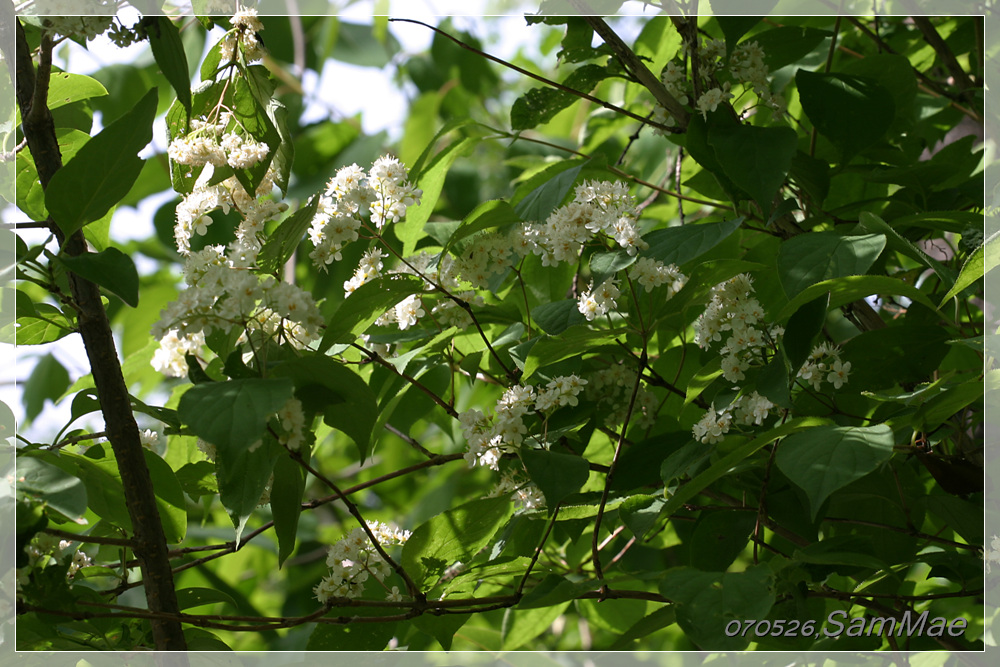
635	66
149	542
88	539
933	37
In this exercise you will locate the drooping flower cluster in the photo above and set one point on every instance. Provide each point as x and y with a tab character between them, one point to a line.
604	207
733	308
746	410
221	294
745	66
216	144
353	560
487	255
824	363
611	388
594	303
651	273
525	494
243	36
351	196
488	438
58	16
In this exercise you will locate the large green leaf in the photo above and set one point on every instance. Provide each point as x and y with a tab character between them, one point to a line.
852	112
680	245
540	105
895	355
846	289
431	182
520	626
338	393
165	42
30	196
286	504
111	269
232	415
983	260
57	489
572	342
367	636
103	170
828	458
807	259
453	536
557	475
802	329
756	159
540	202
708	601
48	380
281	244
367	304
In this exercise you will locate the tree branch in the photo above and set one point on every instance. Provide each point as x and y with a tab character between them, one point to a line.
148	540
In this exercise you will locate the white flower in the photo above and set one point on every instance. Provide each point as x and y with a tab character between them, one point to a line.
409	311
838	374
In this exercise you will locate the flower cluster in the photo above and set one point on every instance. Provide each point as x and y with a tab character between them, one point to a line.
651	273
524	493
354	559
594	303
58	16
214	144
488	438
824	363
734	309
382	195
746	410
745	66
604	207
243	36
487	255
221	294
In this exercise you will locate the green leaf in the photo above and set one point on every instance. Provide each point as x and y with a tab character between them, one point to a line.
846	289
572	342
198	479
62	492
736	456
661	618
232	415
983	260
48	380
453	536
103	170
489	214
30	196
111	269
872	224
169	497
555	317
286	504
243	476
828	458
36	330
168	50
351	637
557	475
894	355
328	387
521	626
772	382
680	245
603	265
734	27
554	589
801	331
807	259
283	241
545	198
639	513
935	411
852	112
188	598
756	159
708	601
360	310
65	88
540	105
719	537
410	230
442	628
788	44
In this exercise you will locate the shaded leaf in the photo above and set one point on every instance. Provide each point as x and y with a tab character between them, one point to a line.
111	269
